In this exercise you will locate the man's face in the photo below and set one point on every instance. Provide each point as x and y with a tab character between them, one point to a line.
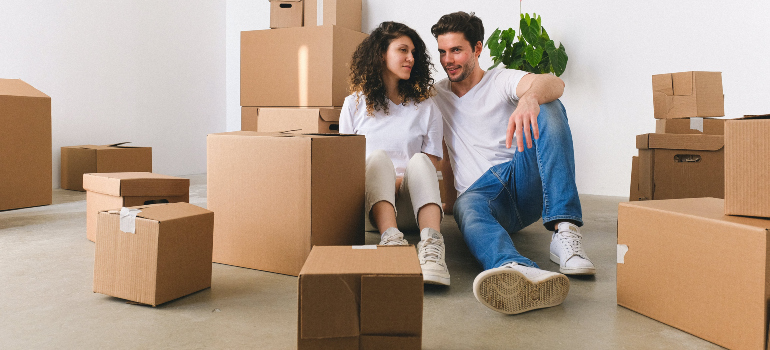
456	56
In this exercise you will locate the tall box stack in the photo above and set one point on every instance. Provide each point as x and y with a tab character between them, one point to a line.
296	77
684	158
25	146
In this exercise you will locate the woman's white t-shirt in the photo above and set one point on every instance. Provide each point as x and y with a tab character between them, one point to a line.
403	132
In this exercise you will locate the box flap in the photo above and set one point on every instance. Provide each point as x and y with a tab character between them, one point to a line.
683	83
680	141
758	116
382	260
329	306
663	83
17	87
136	184
167	211
99	147
391	305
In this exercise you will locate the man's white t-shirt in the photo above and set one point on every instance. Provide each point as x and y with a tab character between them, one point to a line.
475	124
403	132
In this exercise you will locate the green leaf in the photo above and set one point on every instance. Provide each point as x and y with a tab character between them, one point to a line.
533	55
539	24
527	19
559	60
530	32
509	35
493	41
544	34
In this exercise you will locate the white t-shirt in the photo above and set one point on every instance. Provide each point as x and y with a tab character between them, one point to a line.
403	132
475	124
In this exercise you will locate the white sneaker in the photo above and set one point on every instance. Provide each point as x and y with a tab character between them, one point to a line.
430	250
514	288
567	251
393	236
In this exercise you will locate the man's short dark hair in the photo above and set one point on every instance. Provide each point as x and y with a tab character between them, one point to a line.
460	22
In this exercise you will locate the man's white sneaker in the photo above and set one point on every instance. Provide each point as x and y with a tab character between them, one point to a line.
431	250
393	236
514	288
567	251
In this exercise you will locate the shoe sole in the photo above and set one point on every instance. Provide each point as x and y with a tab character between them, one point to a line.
434	279
574	270
510	292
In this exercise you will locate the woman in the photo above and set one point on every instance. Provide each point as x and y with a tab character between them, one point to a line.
390	104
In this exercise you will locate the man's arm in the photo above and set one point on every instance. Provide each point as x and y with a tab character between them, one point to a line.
533	90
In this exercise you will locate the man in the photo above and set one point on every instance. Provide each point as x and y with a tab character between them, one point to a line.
503	189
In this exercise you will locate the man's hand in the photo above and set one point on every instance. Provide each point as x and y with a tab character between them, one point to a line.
523	121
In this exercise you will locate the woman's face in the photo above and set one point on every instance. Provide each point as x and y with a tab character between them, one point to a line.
399	58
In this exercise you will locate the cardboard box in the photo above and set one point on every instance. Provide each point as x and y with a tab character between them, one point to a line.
634	193
297	67
353	298
276	195
115	158
25	146
690	266
300	119
708	126
343	13
286	13
680	166
167	256
116	190
688	94
747	166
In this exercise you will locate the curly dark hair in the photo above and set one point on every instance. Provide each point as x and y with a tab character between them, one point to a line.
367	66
460	22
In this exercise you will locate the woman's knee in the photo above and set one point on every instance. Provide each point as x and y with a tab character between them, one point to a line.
420	161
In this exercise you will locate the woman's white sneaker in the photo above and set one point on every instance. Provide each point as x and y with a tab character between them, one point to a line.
567	251
513	288
430	251
392	236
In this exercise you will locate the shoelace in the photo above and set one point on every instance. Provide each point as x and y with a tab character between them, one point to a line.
391	239
432	250
575	243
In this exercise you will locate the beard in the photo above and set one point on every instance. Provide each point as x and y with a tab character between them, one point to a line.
467	70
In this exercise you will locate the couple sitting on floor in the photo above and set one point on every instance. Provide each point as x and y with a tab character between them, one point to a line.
477	114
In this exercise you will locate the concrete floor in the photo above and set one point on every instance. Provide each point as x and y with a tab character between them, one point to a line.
46	298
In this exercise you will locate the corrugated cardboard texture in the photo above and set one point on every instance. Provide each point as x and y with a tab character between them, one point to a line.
343	13
300	119
249	118
25	146
297	67
277	194
286	13
682	126
690	266
634	194
168	257
688	94
377	298
79	160
747	167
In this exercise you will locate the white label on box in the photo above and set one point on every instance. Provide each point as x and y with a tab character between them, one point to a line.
696	124
370	246
128	219
622	250
319	8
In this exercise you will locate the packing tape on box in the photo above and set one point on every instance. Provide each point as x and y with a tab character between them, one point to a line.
696	124
370	246
128	219
622	250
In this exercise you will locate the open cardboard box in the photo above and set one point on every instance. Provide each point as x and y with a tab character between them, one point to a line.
299	119
688	94
115	158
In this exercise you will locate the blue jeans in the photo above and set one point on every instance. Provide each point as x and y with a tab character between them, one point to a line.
539	182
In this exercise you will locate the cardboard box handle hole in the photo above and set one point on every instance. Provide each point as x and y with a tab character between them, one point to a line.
285	6
687	158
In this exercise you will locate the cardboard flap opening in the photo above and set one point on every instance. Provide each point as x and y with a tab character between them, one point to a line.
329	306
683	83
758	116
687	158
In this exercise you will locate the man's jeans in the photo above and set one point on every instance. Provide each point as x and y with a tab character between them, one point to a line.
539	182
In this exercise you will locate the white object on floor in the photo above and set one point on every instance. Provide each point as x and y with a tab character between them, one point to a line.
431	252
567	251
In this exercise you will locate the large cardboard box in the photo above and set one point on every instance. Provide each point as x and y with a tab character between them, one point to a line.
747	166
116	190
343	13
708	126
159	254
25	146
299	119
277	195
115	158
286	13
680	166
297	67
688	94
690	266
365	297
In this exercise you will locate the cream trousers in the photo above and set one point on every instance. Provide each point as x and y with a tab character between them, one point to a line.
418	188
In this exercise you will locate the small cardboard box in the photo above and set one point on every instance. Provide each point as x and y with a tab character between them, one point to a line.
286	13
365	297
343	13
680	166
747	166
634	194
167	256
297	67
116	190
276	195
115	158
708	126
686	264
25	146
300	119
688	94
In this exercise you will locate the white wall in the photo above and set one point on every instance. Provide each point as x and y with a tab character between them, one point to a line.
150	72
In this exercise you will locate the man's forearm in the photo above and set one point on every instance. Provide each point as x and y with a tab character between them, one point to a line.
545	88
